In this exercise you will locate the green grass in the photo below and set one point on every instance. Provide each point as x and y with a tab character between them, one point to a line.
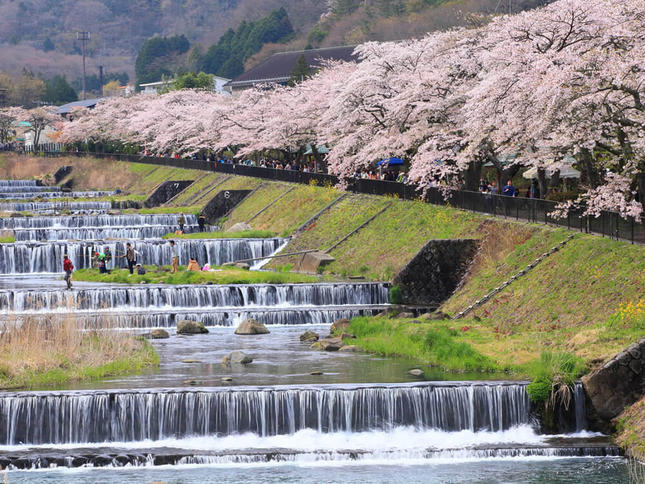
9	239
226	275
382	248
244	234
586	299
437	345
266	194
202	184
295	208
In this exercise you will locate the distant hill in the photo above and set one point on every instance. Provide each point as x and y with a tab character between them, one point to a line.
40	34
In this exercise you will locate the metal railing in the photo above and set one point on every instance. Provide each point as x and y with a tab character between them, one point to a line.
608	224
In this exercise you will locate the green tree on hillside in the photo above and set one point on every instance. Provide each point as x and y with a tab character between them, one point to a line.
58	91
301	71
227	57
191	80
155	57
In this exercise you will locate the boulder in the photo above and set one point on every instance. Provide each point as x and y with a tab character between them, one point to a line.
405	315
349	349
617	384
316	373
328	344
240	227
312	261
191	327
159	334
416	372
435	316
251	326
309	336
237	358
339	325
345	336
242	265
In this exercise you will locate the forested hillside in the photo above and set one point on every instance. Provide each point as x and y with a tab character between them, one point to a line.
40	35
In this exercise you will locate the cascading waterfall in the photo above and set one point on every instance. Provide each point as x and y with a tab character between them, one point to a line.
97	233
69	417
27	189
152	318
198	297
55	206
54	194
87	221
96	227
18	183
20	258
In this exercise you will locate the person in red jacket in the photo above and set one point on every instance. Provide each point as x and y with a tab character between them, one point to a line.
68	267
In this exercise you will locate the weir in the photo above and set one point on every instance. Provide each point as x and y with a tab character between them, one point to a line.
96	227
55	206
196	296
89	221
72	417
154	318
20	258
144	457
54	194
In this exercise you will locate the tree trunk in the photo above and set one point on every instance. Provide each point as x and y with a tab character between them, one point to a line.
472	175
541	173
555	179
586	161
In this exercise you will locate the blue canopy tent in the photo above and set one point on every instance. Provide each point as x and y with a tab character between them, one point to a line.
390	162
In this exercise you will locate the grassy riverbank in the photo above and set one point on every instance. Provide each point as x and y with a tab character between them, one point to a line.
222	275
630	427
62	349
585	301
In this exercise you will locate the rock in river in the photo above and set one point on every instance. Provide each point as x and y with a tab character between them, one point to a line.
251	326
237	358
191	327
309	336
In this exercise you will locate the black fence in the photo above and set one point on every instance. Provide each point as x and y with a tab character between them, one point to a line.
608	224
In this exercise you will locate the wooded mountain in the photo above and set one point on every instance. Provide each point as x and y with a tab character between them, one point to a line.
41	34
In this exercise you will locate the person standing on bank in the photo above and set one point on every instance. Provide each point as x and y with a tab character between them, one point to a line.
181	221
68	267
130	257
174	253
201	221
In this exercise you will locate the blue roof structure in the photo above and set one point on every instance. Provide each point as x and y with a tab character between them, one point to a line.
67	108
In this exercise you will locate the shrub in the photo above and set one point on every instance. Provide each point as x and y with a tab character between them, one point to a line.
553	370
396	297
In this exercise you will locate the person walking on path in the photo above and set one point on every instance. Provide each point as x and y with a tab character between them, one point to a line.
68	267
174	253
181	221
130	257
509	190
201	221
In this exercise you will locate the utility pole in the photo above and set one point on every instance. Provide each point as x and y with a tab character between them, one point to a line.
101	80
84	37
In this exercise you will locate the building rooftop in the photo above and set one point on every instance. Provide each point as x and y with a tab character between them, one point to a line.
278	67
67	108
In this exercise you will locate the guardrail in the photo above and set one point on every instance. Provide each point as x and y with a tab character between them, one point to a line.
608	224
